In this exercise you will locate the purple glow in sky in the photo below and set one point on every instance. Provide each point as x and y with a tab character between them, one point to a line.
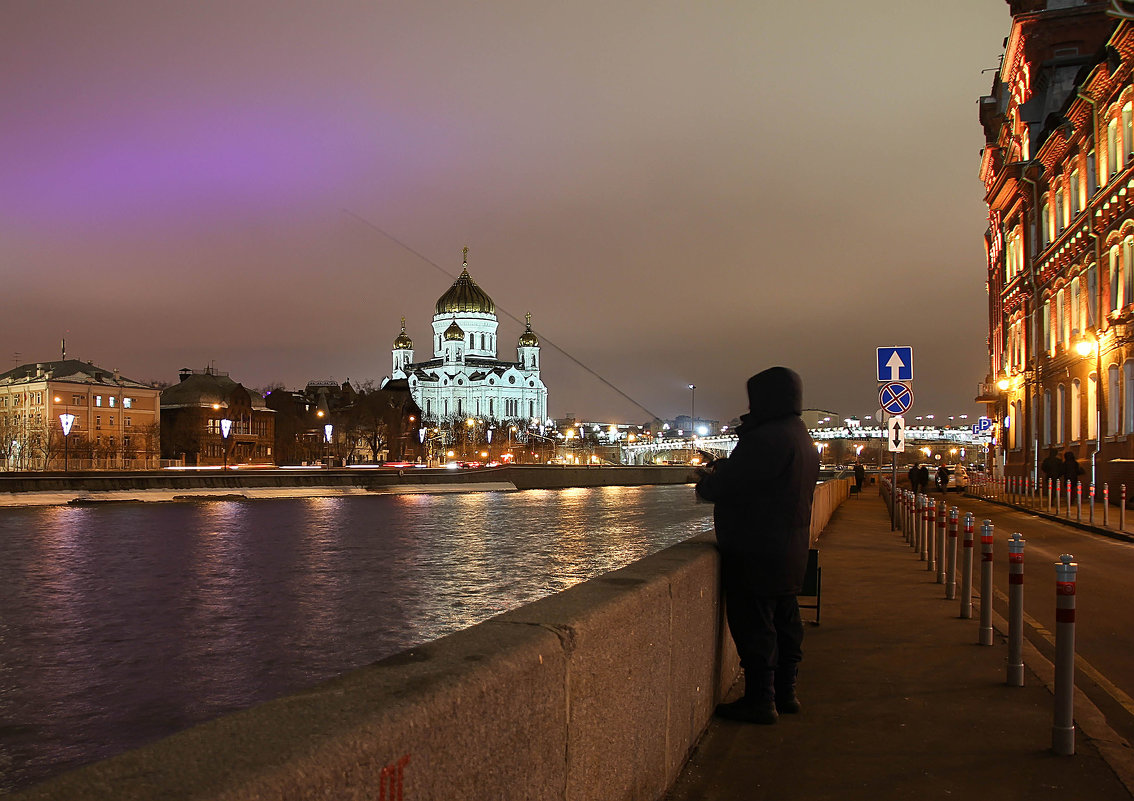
678	193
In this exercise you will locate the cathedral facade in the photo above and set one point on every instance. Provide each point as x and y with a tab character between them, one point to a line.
464	378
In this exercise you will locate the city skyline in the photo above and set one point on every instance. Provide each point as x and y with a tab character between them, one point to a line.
676	196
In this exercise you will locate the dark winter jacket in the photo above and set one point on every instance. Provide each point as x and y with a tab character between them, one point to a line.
763	491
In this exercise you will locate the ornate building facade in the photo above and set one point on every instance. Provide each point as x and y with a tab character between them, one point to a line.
464	378
1058	173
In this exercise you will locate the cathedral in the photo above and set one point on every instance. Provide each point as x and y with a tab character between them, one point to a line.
464	379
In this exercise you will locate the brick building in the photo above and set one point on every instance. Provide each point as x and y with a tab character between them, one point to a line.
1058	172
193	412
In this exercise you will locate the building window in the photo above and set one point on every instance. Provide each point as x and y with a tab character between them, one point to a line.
1045	225
127	402
1092	174
1128	128
1048	340
1112	400
1092	407
1061	319
1076	195
98	400
1045	424
1092	293
1115	280
1060	211
1128	396
1112	148
98	421
77	400
1076	409
1076	327
111	400
1060	414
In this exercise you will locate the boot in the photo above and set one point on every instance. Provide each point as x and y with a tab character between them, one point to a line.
756	705
786	701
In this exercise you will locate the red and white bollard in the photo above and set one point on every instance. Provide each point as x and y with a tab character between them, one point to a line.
967	569
1058	494
1016	610
1079	502
985	636
1122	511
951	553
1050	486
1106	504
928	549
939	543
1091	504
1063	727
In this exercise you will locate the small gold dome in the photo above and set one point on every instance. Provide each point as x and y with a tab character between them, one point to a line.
528	339
403	342
454	333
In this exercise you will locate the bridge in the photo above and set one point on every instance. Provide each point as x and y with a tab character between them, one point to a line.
683	450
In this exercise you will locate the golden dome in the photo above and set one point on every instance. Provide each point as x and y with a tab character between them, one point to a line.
403	342
528	339
465	296
454	333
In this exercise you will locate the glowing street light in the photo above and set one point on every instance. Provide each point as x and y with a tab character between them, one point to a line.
66	420
225	430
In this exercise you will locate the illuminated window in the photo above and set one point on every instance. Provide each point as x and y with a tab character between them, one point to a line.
1092	405
1048	340
1045	224
1060	211
1061	330
1128	396
1092	293
127	402
1112	400
1076	327
1092	174
1076	195
1128	128
1060	414
1045	424
1115	282
1076	409
111	400
98	400
1112	148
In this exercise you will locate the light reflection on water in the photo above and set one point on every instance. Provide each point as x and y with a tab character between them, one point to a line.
124	623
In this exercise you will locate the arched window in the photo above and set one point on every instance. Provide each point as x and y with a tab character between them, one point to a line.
1061	330
1060	211
1076	323
1092	407
1076	409
1045	225
1112	148
1128	396
1115	283
1045	423
1128	128
1092	293
1060	415
1076	195
1112	400
1014	427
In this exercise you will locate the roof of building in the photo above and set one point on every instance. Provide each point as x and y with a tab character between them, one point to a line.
528	339
205	389
454	333
70	370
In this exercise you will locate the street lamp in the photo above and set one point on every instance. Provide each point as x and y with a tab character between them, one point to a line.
692	410
225	430
66	420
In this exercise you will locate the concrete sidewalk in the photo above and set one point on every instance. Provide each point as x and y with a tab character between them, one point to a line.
898	699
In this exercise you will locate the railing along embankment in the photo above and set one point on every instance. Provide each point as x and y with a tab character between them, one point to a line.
597	692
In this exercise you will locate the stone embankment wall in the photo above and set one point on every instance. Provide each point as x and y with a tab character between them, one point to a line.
598	692
519	476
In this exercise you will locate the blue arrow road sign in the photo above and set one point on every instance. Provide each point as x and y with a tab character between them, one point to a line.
895	363
895	398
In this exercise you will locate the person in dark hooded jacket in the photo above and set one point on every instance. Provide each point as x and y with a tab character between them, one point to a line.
762	495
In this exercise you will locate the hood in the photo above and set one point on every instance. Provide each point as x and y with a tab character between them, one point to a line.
774	393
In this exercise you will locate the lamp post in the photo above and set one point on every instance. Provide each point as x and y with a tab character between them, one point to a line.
328	429
225	430
692	412
66	420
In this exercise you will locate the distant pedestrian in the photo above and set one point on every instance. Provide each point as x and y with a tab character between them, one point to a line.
914	477
762	495
942	478
1052	466
859	476
1071	471
923	478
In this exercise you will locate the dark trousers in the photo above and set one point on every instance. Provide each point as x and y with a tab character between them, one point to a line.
767	630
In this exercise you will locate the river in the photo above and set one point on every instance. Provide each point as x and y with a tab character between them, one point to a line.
123	623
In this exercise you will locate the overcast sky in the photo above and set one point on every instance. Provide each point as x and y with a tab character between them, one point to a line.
678	192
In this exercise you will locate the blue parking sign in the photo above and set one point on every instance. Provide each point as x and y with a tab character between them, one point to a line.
895	363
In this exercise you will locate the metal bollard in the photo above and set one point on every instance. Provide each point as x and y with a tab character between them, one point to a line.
939	542
929	545
1122	511
921	524
951	553
1029	496
1079	502
1058	494
1016	610
1106	504
1050	484
915	532
967	569
1063	727
985	636
1070	497
1091	504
